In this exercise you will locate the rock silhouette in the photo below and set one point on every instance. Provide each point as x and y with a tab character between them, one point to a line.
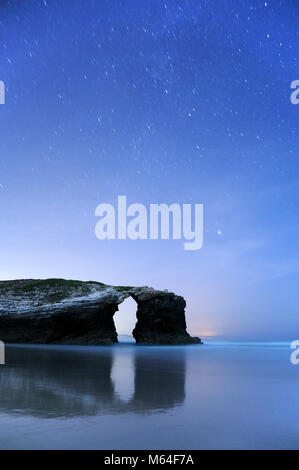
58	311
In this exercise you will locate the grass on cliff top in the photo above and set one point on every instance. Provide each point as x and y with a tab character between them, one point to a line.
55	290
52	290
60	284
56	283
123	288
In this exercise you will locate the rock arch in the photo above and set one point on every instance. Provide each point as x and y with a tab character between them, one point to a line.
160	317
88	318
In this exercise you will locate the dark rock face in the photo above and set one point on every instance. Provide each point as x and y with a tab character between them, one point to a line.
80	322
73	312
161	318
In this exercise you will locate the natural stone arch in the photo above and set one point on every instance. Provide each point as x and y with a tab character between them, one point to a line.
74	312
160	317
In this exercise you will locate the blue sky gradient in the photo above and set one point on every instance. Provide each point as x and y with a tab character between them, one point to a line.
173	101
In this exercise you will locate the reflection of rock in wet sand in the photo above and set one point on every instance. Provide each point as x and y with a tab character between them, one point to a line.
63	382
159	380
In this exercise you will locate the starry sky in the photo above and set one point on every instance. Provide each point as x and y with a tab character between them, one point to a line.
162	101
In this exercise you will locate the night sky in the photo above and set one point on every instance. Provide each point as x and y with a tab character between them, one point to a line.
161	101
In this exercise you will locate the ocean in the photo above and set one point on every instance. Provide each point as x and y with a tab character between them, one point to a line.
220	395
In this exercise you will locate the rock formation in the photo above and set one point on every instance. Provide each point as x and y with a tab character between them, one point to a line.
59	311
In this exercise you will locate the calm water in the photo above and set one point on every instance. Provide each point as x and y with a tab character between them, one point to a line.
217	395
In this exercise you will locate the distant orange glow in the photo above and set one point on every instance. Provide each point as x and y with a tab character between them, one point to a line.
208	333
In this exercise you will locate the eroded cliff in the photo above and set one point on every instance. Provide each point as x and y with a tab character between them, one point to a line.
62	311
